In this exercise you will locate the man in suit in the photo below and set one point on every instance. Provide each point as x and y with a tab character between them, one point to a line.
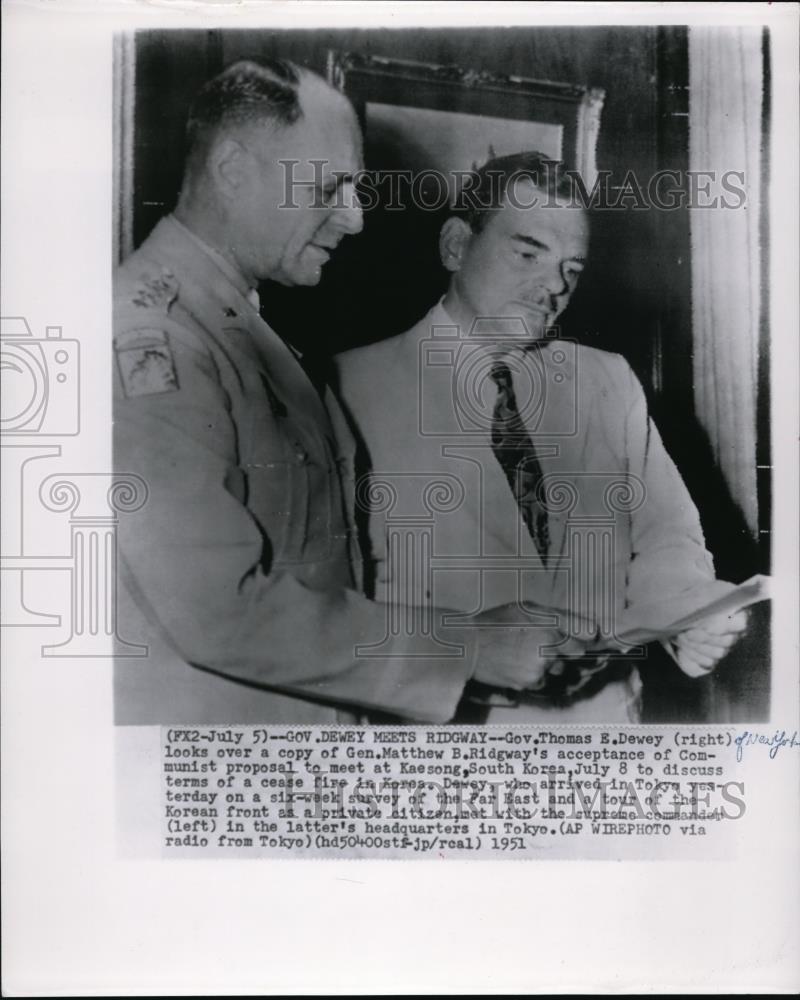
568	497
240	573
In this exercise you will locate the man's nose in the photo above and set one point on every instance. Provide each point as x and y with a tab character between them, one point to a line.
348	216
554	279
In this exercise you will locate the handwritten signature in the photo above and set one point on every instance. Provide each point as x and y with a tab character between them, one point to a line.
775	743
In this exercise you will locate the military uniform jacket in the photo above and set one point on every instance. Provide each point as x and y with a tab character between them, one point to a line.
239	572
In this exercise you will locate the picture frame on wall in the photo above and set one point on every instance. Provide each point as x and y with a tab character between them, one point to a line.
421	116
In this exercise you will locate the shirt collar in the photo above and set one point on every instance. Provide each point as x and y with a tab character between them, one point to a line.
231	273
439	316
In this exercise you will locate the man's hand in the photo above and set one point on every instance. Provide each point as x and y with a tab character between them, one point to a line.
700	648
516	656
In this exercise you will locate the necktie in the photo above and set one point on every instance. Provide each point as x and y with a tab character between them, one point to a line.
514	450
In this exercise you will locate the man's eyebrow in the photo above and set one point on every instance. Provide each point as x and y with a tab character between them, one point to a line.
531	242
335	179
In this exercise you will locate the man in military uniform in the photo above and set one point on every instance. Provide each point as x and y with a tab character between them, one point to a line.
240	572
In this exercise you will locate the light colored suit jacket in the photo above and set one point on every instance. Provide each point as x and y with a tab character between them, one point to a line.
623	528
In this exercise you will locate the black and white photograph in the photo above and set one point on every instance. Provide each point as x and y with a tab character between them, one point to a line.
443	359
400	523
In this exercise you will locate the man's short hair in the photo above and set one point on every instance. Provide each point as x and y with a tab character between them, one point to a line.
486	189
244	93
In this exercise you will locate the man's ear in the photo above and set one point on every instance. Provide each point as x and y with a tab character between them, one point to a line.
228	165
453	241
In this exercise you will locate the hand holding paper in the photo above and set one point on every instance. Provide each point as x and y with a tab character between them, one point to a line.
712	609
698	649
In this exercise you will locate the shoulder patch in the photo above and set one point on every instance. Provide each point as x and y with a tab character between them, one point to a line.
157	291
145	362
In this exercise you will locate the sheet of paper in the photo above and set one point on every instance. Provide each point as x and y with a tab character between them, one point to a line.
663	621
96	900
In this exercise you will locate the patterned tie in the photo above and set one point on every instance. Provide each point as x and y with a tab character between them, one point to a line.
514	450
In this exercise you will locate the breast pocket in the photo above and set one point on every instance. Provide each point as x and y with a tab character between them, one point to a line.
291	476
278	490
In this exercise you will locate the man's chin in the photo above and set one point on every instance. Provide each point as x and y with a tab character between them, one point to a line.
308	280
536	321
536	327
309	265
305	277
